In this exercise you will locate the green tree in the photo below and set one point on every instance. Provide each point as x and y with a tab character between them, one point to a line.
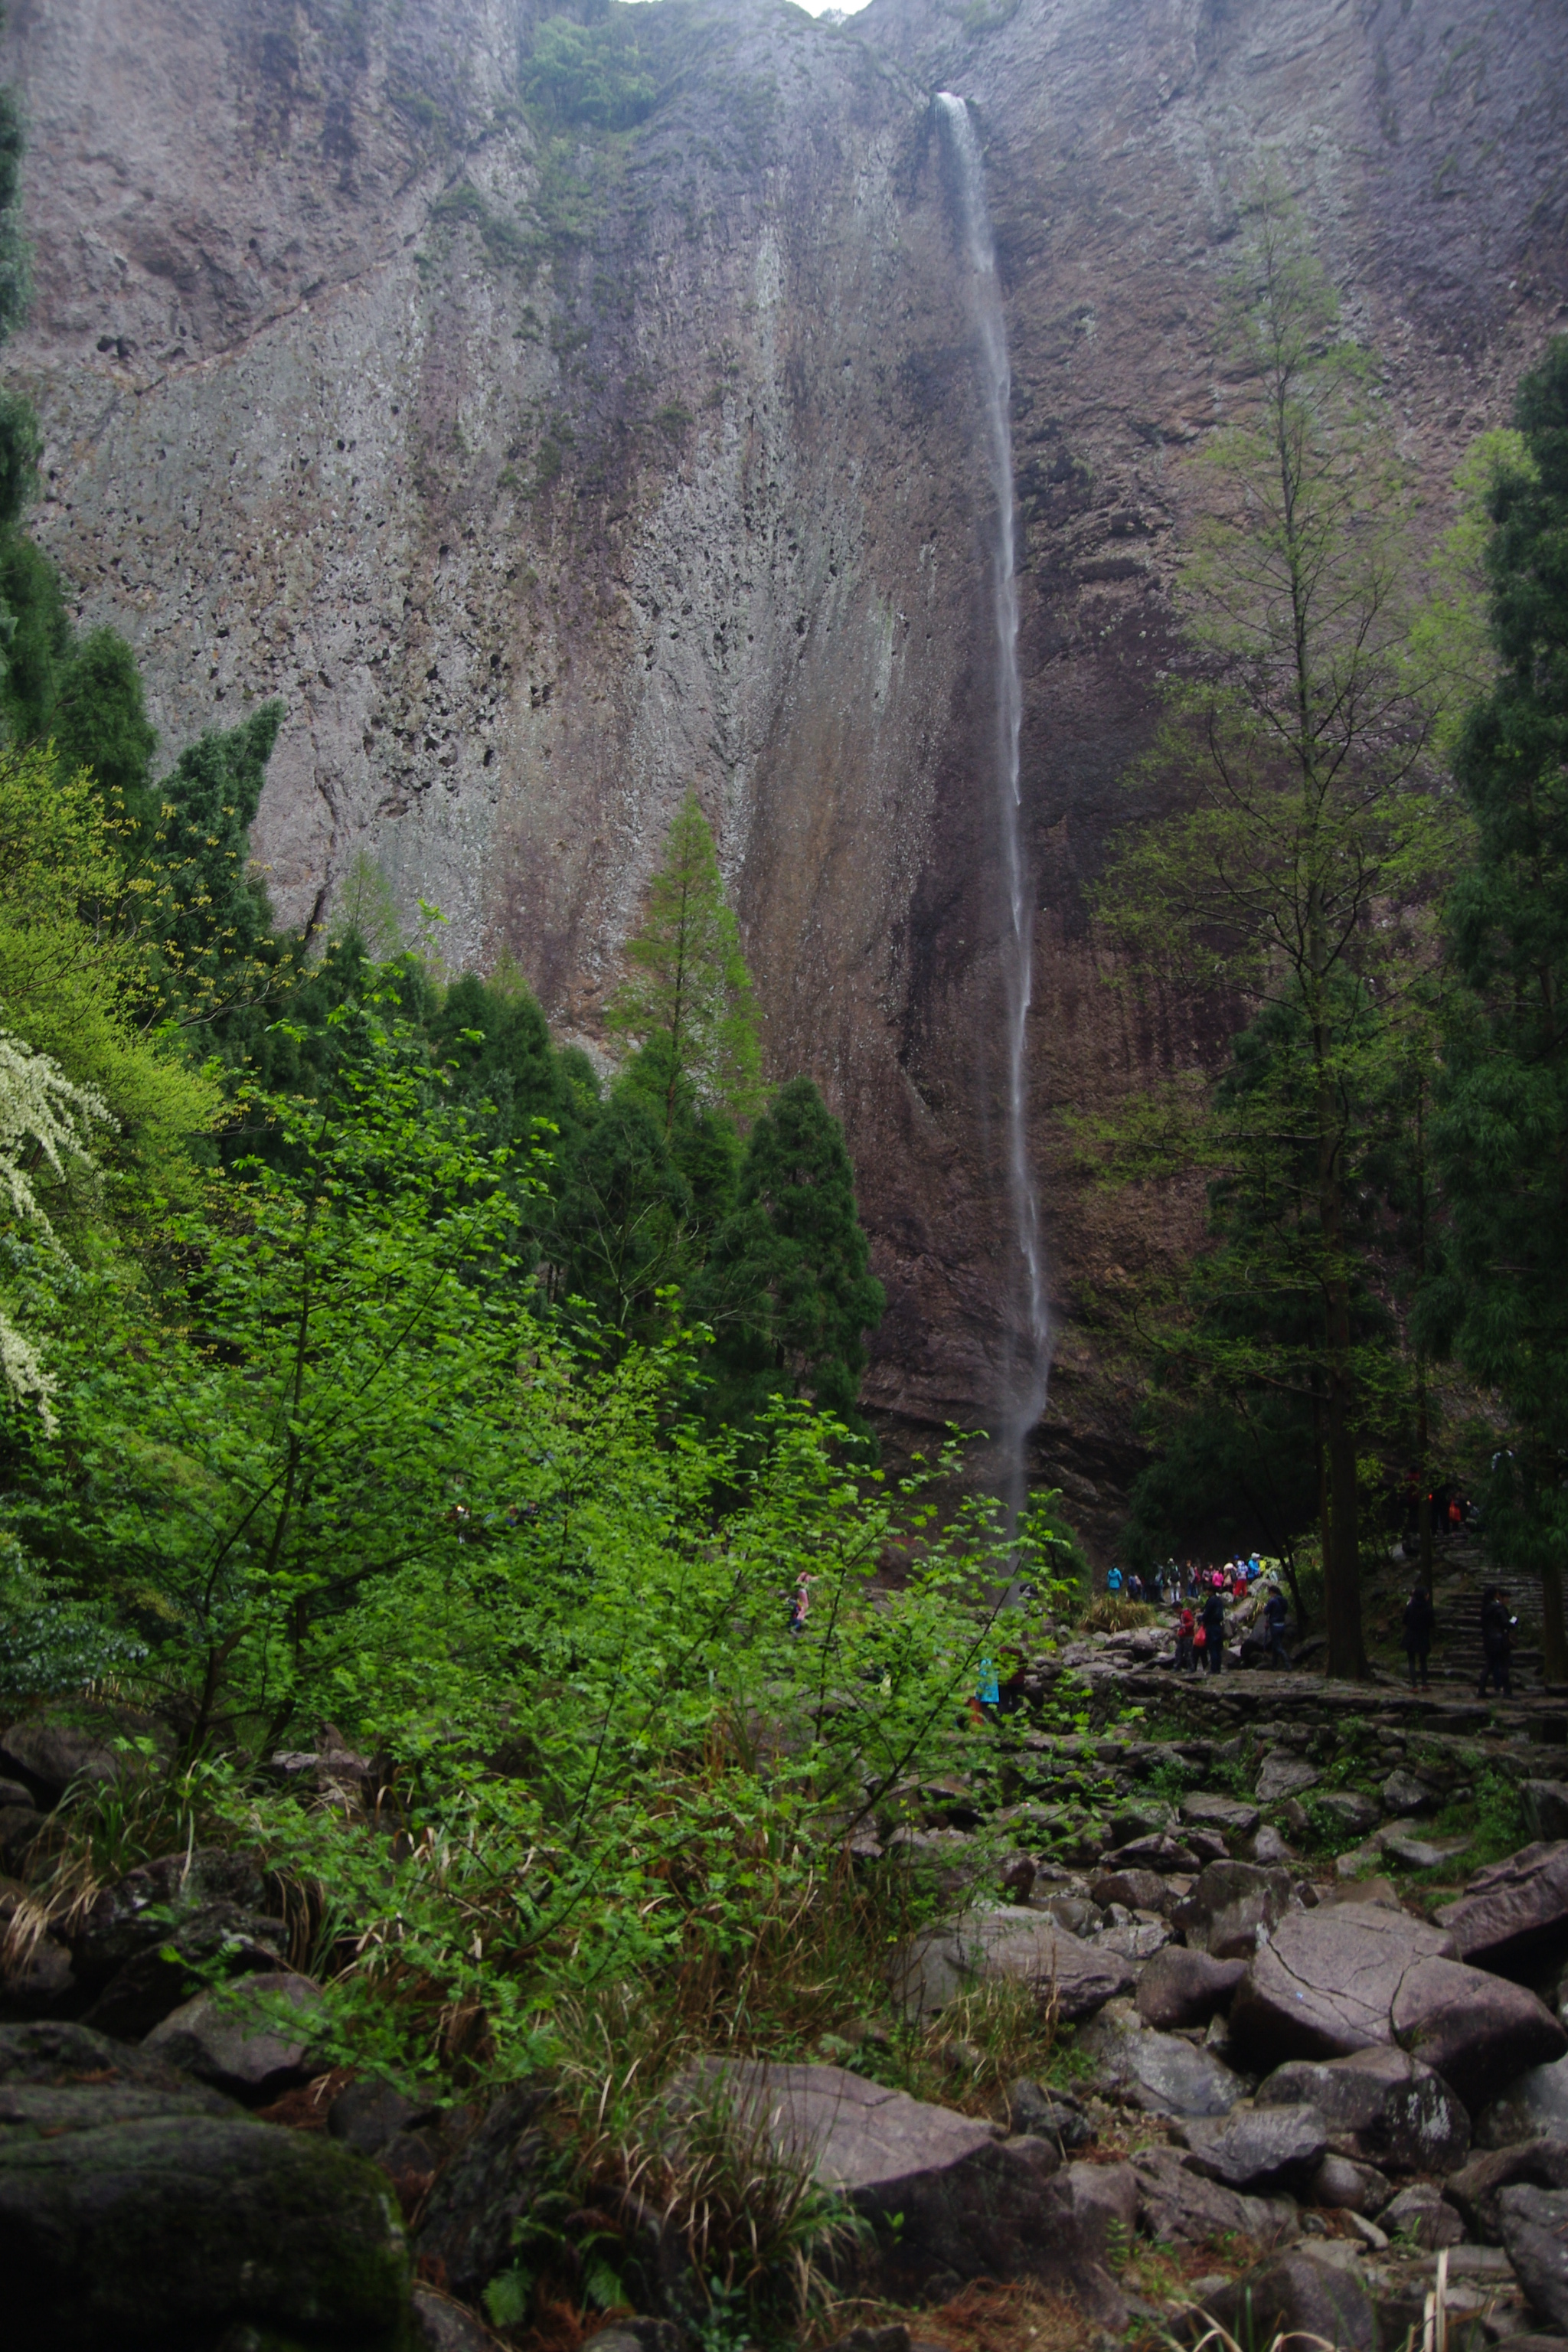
100	722
688	993
1501	1130
209	802
1310	844
620	1228
788	1287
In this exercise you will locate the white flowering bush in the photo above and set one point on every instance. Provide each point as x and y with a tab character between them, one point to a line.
45	1122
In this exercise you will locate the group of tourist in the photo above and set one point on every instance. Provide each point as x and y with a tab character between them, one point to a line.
1178	1584
1497	1630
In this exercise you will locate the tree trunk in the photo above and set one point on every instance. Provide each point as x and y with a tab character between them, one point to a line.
1424	1478
1341	1550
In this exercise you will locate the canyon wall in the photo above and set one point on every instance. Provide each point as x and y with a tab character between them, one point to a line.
541	475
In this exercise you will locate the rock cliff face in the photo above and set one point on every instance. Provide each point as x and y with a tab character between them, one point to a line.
543	475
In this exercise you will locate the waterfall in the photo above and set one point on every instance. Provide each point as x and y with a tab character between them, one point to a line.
1028	1329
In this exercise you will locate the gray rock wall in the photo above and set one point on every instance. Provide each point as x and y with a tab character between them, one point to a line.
543	478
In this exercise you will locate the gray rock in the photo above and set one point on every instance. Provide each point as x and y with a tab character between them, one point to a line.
1534	2107
19	1825
972	2205
1543	1805
224	2038
55	1751
1352	1811
173	2227
143	1992
1167	2076
1382	2107
1137	1890
1345	2185
1179	2206
1475	2190
1166	1855
1141	1818
1284	1775
1301	2292
1474	2029
997	1946
1401	1793
11	1792
1414	1852
1137	1940
1056	2117
1534	2228
1231	1903
1326	1983
1227	1816
444	2326
1183	1987
1267	1848
39	1984
58	2051
368	2115
467	2230
142	1910
1259	2147
1513	1910
1360	1890
1422	2212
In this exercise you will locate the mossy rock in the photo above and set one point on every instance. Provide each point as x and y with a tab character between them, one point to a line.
190	2231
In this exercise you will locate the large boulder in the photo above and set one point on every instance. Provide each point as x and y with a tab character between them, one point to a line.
1183	1987
50	1752
235	2040
1421	2211
1232	1904
1534	2106
1543	1806
1070	1977
466	2232
140	2211
143	1992
1160	2073
1225	1816
1533	2224
972	2205
1476	2189
1326	1982
1514	1910
1476	2030
1260	2149
139	1912
1183	2208
1298	2293
1284	1775
1382	2107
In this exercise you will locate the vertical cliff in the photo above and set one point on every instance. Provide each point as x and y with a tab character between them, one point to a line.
543	467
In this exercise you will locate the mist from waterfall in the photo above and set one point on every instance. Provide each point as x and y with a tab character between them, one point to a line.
1028	1330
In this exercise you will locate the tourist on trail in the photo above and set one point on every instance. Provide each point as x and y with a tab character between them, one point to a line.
1213	1629
1276	1614
988	1689
1420	1617
1497	1626
1455	1515
1113	1583
1186	1656
1238	1583
1156	1585
1135	1587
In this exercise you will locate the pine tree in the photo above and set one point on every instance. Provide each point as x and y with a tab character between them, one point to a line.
1300	871
788	1287
210	799
1501	1132
688	992
101	722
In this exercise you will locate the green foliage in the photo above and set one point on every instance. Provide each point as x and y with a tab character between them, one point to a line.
21	446
787	1287
589	74
209	799
688	988
1301	870
15	259
1501	1134
101	723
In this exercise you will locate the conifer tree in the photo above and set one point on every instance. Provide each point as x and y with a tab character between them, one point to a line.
210	799
1501	1134
788	1287
688	992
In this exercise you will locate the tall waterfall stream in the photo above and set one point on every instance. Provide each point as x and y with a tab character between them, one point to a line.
1028	1329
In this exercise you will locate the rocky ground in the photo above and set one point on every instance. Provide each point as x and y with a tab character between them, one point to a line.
1289	1959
